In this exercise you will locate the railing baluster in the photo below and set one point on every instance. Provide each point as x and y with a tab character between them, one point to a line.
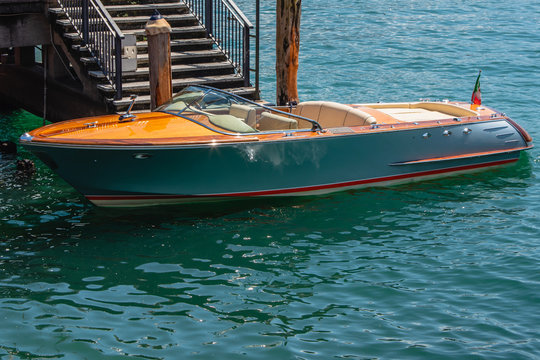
229	29
246	59
118	67
100	35
84	15
222	19
208	16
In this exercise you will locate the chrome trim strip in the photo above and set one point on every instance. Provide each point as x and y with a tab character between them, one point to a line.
460	157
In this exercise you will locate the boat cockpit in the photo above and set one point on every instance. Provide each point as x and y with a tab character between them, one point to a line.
227	113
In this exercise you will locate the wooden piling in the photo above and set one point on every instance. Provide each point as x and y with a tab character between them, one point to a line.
287	49
158	32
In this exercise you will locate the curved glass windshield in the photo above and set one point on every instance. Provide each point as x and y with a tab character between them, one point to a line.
225	112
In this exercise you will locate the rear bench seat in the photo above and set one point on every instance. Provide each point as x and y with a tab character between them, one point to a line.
331	114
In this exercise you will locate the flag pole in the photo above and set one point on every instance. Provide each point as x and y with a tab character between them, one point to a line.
476	98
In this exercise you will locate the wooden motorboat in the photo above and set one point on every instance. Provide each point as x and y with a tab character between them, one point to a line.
207	145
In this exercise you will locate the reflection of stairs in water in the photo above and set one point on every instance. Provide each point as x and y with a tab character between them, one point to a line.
195	58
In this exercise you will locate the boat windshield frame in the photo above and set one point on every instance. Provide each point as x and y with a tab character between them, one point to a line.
232	98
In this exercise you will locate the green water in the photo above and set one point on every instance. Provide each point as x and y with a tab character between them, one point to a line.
444	269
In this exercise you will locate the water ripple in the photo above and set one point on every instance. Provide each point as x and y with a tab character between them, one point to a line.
443	269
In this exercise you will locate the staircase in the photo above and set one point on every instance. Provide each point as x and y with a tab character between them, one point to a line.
197	56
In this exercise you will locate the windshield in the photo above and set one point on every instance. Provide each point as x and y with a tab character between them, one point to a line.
225	112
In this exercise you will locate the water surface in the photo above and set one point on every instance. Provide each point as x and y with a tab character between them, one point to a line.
442	269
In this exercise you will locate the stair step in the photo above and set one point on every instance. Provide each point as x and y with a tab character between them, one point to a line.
142	59
141	32
186	55
121	2
175	69
177	45
139	22
87	60
175	56
163	8
143	86
56	11
175	31
66	22
72	36
97	74
124	102
145	19
205	43
146	7
80	48
183	68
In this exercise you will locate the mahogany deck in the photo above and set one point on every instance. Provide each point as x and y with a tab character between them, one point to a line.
161	128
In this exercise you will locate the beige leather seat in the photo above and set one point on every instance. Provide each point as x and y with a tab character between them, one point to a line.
244	112
269	121
330	114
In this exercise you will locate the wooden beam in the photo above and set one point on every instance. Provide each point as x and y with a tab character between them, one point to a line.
159	58
287	50
24	30
11	7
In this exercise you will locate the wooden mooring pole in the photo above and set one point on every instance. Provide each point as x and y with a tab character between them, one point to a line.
158	32
287	50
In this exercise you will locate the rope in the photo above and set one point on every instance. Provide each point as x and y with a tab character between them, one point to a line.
58	53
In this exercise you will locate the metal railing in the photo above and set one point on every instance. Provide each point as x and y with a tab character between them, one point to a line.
229	28
100	35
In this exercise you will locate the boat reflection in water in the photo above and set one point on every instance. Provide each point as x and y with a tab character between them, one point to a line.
208	145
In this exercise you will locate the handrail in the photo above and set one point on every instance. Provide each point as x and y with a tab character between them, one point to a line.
100	35
230	29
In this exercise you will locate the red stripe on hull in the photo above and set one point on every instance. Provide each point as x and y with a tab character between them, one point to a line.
307	189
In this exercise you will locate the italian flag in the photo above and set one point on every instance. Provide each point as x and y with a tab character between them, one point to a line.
476	97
